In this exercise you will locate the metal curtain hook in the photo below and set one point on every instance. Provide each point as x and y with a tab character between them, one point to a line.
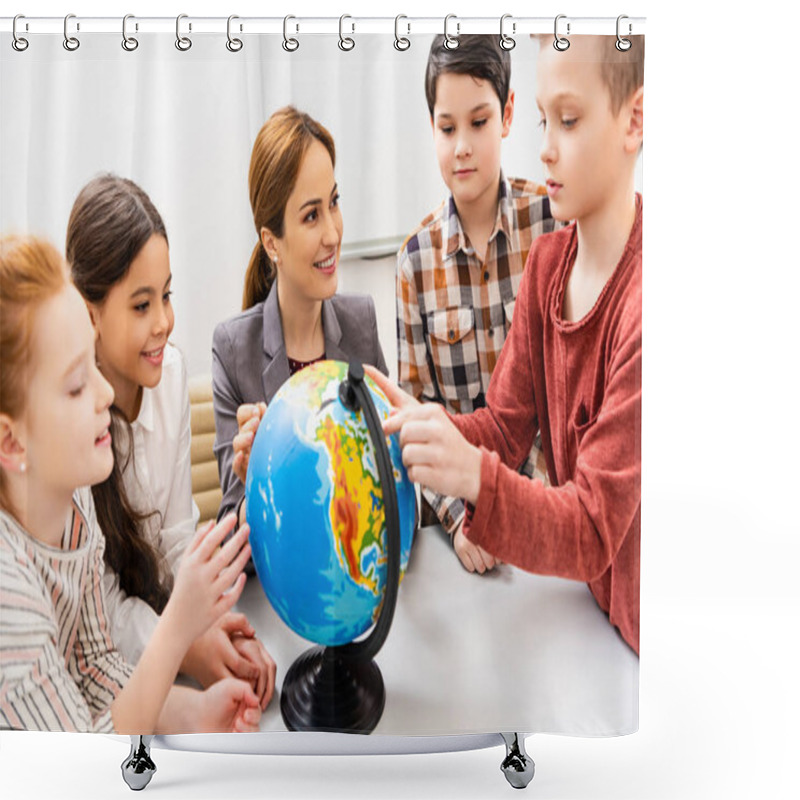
70	42
18	42
623	45
345	42
233	45
401	42
559	42
506	42
183	43
128	42
451	42
290	44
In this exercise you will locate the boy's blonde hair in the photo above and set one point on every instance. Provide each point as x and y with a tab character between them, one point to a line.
621	71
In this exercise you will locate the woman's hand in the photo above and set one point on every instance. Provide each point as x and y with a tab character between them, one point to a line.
229	706
435	453
248	416
209	579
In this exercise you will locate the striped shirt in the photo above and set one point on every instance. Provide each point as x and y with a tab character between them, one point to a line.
454	311
58	668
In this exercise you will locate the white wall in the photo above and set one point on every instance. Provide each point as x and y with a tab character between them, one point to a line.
182	125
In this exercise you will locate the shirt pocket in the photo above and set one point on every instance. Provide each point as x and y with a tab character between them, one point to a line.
454	351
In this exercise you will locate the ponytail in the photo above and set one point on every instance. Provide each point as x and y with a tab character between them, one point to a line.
258	279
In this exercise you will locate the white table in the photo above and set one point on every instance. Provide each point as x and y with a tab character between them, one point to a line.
468	657
469	653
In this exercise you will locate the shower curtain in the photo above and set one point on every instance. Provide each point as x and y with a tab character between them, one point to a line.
466	653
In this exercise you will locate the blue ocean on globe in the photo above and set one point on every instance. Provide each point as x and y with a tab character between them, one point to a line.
315	508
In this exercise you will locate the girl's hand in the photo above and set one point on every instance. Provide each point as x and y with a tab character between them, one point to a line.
229	706
212	656
472	556
248	416
259	660
209	579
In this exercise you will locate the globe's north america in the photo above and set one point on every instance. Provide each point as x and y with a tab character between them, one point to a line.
315	508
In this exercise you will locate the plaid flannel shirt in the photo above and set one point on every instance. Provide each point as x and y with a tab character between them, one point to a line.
454	311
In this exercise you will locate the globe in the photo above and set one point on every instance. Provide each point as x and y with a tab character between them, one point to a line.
316	510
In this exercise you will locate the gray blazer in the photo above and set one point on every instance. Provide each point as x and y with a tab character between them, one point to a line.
249	364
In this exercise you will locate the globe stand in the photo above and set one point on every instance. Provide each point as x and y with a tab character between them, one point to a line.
325	692
340	689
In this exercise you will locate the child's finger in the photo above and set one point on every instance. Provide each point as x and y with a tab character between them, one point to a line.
416	455
418	431
393	423
407	417
198	537
425	475
394	394
214	538
228	599
400	417
227	575
242	668
237	623
244	695
466	561
226	554
487	558
247	721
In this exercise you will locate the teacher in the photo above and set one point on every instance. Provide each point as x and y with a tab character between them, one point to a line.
291	315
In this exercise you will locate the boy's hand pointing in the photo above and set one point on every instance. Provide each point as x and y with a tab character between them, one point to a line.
435	453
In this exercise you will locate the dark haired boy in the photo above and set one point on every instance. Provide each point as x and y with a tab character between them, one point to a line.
458	273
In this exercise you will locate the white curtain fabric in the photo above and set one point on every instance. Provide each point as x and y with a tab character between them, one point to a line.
182	125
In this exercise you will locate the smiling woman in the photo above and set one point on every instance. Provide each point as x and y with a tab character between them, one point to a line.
291	314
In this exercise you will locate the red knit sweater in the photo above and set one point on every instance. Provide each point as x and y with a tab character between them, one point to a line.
581	382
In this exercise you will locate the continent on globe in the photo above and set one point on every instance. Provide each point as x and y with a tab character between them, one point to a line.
316	511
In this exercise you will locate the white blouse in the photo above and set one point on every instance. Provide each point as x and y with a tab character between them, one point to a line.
158	478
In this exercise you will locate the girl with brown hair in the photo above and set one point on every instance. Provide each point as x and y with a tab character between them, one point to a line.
118	251
291	313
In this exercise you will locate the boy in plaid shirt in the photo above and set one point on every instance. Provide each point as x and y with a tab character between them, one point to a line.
458	273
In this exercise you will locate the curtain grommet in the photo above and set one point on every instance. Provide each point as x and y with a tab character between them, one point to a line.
560	43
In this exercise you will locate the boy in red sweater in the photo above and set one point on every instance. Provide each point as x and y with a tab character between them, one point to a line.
571	366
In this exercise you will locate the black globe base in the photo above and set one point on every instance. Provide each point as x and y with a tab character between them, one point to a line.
324	691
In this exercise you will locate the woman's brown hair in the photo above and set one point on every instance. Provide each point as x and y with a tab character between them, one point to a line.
278	153
31	272
111	221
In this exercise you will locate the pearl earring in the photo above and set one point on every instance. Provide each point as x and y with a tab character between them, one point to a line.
23	466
